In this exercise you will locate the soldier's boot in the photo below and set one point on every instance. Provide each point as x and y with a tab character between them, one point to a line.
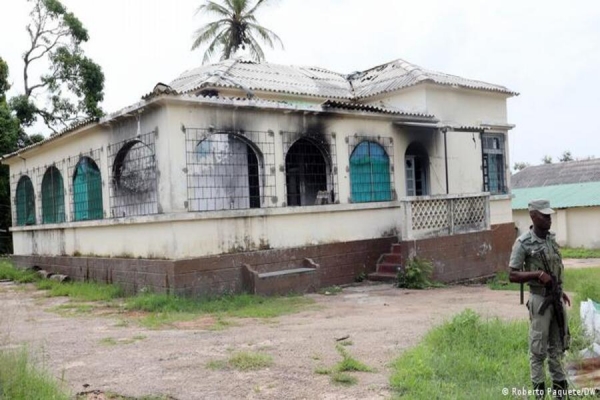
560	387
539	390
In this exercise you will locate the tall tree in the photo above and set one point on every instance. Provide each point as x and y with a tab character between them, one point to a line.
547	159
74	84
10	134
235	28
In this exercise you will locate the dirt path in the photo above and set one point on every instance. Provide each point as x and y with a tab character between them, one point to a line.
381	321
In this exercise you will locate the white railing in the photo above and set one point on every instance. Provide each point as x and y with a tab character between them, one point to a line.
430	216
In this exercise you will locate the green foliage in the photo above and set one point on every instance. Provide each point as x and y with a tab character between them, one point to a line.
83	291
7	271
466	357
344	379
235	28
349	363
416	274
20	379
243	361
579	252
574	280
74	84
242	306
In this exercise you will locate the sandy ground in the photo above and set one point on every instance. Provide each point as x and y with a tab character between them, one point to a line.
381	322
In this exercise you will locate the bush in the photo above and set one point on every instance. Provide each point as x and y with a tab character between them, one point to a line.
416	274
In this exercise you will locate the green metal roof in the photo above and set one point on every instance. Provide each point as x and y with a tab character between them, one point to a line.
585	194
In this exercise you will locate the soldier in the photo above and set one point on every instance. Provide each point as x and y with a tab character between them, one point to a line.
536	260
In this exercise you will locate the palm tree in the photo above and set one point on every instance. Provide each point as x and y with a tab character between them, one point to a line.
236	28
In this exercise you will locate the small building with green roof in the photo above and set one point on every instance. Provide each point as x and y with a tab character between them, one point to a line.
573	189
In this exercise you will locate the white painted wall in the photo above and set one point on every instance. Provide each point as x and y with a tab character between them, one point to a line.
177	233
583	227
211	233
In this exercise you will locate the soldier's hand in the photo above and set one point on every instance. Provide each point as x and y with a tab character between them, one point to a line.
566	299
544	278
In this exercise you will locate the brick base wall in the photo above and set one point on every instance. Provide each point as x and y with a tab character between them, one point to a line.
464	256
339	263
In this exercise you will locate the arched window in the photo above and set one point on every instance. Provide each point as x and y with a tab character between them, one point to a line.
25	202
226	173
134	180
53	197
306	170
416	162
370	177
87	191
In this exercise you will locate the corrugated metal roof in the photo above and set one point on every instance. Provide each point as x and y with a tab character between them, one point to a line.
557	174
584	194
319	82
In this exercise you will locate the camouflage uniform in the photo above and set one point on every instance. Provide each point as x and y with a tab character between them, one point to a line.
544	336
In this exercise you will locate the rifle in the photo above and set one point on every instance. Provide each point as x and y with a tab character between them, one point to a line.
553	297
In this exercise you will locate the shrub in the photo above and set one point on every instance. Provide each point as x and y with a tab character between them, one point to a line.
416	274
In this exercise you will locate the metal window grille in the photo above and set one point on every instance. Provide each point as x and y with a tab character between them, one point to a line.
133	180
85	186
230	170
52	206
310	168
494	171
371	168
24	200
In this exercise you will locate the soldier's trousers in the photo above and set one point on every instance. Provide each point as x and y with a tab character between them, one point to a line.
544	340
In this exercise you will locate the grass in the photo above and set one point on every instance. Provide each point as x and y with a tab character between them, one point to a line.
344	379
464	358
167	309
20	379
573	279
338	373
243	361
349	363
579	252
8	271
82	291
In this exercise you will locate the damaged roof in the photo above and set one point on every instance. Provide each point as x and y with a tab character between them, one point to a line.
319	82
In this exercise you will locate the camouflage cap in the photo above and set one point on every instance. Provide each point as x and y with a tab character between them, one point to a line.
542	206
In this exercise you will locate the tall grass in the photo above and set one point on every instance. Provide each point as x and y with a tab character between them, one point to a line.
8	271
20	379
465	358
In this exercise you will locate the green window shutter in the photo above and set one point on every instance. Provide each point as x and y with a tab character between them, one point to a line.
53	197
370	173
25	202
87	191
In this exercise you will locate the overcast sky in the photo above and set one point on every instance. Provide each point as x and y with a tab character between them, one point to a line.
548	51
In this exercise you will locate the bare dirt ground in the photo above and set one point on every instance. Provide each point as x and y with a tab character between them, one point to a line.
91	352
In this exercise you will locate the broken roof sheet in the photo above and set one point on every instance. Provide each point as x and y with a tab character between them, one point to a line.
400	74
557	174
319	82
309	81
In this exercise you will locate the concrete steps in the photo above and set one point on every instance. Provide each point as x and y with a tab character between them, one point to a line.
387	266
